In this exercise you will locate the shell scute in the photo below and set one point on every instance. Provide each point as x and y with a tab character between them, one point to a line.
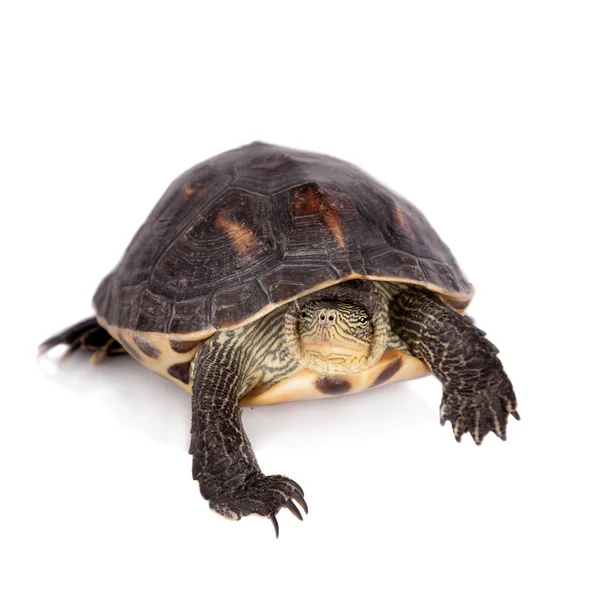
254	227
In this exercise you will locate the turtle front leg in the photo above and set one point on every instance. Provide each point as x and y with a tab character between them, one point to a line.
478	396
224	463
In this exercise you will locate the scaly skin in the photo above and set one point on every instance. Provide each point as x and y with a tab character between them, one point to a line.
478	396
87	334
223	460
228	365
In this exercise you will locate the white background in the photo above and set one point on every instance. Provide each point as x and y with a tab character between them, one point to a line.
486	115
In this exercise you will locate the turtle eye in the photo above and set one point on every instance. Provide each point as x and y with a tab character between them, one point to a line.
362	320
303	314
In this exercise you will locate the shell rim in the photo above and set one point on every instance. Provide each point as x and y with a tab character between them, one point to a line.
203	334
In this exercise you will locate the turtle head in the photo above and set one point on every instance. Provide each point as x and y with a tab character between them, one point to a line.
343	329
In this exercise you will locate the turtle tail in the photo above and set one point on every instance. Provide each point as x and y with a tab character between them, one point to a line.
87	334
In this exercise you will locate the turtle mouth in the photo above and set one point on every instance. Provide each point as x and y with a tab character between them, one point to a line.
337	347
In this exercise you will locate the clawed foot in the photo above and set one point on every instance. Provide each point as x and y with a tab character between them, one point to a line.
264	496
86	334
480	411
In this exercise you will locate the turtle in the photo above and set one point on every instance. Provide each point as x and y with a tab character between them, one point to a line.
267	274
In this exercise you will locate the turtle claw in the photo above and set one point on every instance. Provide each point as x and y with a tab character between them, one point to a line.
264	496
500	429
297	486
275	525
516	415
294	509
458	426
299	498
481	411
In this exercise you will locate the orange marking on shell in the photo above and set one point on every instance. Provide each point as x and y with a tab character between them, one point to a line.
333	221
305	201
243	240
189	191
401	218
308	200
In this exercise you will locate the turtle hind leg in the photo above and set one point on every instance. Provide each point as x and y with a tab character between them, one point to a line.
86	334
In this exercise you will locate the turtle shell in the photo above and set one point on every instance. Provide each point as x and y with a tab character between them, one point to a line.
250	229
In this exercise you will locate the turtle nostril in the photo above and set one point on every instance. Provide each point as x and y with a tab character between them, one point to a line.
322	317
331	317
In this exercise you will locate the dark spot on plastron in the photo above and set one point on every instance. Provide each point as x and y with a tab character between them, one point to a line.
181	371
146	347
388	372
183	347
333	385
130	348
